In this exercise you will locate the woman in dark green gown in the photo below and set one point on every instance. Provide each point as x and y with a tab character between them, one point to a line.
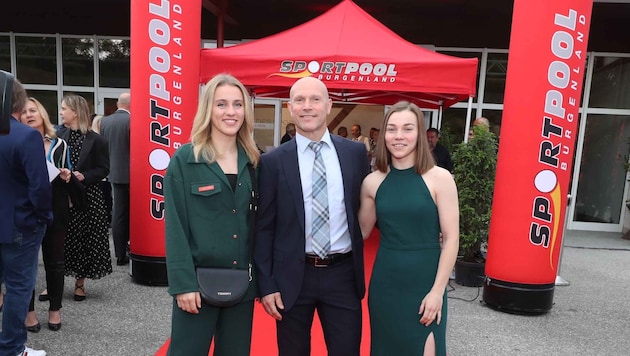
415	203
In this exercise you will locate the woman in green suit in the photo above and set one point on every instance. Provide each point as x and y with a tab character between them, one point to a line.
207	194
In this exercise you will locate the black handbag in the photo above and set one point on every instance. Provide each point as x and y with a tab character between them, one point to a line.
224	287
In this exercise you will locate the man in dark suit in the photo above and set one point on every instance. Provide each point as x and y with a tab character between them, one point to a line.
309	191
440	153
289	133
115	128
25	211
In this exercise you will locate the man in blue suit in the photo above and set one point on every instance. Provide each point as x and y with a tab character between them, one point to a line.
25	211
297	272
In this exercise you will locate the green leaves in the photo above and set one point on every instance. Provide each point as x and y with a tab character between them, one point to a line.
474	172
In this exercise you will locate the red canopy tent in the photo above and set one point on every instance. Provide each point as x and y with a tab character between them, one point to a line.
359	59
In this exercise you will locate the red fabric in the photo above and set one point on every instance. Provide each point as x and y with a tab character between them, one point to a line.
264	328
538	135
347	34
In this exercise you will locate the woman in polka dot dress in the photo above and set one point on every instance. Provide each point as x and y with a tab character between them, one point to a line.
87	243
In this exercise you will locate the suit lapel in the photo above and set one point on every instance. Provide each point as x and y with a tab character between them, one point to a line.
86	149
292	171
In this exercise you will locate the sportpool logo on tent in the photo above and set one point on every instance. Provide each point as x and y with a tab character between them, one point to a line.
339	71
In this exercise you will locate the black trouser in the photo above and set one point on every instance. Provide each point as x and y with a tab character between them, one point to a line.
106	187
54	265
331	292
120	219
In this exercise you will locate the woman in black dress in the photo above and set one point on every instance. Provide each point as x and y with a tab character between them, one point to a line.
57	153
87	244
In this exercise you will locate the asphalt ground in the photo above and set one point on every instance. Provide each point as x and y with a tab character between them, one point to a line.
590	316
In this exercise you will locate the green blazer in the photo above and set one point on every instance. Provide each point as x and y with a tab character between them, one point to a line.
207	223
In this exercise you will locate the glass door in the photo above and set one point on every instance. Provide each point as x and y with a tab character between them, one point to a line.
267	124
106	100
600	180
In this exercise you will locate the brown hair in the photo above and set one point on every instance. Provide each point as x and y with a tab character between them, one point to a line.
18	98
200	136
423	156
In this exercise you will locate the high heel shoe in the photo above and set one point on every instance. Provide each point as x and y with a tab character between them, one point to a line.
34	328
43	297
54	327
78	297
54	315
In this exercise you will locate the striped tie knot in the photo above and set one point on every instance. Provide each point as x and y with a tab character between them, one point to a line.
316	146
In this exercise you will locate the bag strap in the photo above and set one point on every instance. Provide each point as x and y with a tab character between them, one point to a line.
253	207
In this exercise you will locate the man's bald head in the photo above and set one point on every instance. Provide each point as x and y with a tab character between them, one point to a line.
124	101
309	81
481	121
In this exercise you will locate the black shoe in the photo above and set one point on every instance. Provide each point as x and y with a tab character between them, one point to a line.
121	261
34	328
78	297
54	327
43	297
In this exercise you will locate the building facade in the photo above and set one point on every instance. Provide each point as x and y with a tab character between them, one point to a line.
97	67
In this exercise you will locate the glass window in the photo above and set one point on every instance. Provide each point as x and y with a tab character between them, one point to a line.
467	55
78	61
5	53
113	58
494	116
49	100
610	87
36	60
89	97
496	72
602	165
264	125
453	124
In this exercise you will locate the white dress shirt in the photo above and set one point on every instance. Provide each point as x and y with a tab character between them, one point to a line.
364	140
340	241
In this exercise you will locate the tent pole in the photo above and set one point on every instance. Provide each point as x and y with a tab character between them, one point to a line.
439	121
468	115
221	23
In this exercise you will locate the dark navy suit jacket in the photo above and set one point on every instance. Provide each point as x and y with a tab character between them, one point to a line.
280	237
25	193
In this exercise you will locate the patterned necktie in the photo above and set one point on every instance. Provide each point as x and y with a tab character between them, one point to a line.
321	228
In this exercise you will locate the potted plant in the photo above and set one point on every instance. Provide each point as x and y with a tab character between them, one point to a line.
474	172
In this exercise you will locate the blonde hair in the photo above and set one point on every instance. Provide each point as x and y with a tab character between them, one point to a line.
423	157
49	129
79	105
200	136
96	123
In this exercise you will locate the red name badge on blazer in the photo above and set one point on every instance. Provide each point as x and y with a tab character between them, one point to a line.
206	188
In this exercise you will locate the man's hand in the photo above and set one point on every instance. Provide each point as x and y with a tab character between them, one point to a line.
272	302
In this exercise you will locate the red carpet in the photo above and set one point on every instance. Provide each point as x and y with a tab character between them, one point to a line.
264	330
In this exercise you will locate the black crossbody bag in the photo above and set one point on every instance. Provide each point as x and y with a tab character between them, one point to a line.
224	287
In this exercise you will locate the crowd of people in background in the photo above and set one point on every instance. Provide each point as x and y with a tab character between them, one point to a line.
58	202
74	169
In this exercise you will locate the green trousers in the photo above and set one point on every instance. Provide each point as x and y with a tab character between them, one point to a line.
231	327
